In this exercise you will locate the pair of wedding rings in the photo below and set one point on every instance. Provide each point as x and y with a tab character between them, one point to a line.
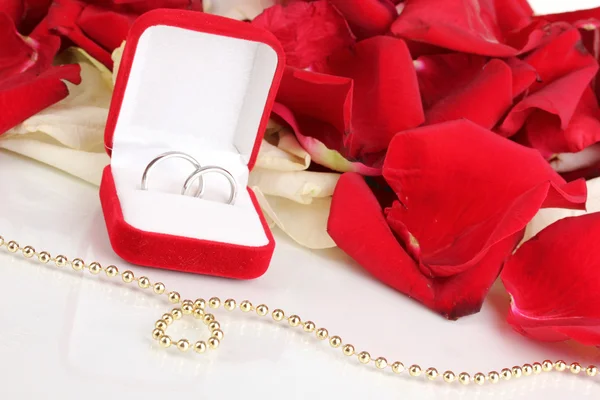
197	175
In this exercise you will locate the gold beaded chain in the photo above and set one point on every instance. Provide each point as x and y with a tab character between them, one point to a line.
198	309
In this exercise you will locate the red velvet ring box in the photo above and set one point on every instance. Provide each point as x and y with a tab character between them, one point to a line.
203	85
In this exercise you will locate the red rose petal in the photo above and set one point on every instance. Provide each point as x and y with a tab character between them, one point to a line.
561	84
524	75
386	92
472	26
355	210
93	21
26	95
63	19
457	201
321	97
86	24
554	282
318	108
309	32
142	6
28	82
17	53
441	74
13	9
543	130
367	17
484	100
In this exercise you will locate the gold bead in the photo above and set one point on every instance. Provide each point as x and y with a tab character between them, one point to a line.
44	257
537	368
464	378
229	304
547	365
217	333
1	240
348	349
494	377
200	347
517	372
164	341
431	373
188	302
144	282
364	357
159	288
213	342
160	324
214	302
335	341
414	370
60	261
187	309
527	369
77	264
111	271
278	315
479	378
200	303
177	313
183	345
560	365
174	297
208	318
127	276
322	334
262	310
381	363
506	374
575	368
294	320
168	318
28	251
246	306
157	333
95	268
592	370
309	326
198	313
12	246
397	367
449	376
213	326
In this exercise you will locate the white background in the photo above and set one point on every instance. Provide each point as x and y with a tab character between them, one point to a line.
554	6
69	335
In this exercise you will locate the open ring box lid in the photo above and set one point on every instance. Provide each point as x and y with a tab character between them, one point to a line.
203	85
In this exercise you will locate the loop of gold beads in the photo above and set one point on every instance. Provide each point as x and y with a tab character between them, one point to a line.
197	309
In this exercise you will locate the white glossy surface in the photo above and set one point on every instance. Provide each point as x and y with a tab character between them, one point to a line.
70	335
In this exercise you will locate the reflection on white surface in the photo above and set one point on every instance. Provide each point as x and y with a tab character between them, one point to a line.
77	336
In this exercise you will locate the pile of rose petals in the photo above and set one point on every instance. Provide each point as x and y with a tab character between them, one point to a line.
454	123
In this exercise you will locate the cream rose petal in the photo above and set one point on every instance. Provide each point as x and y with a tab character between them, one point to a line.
116	56
275	158
305	224
237	9
84	165
548	216
299	186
